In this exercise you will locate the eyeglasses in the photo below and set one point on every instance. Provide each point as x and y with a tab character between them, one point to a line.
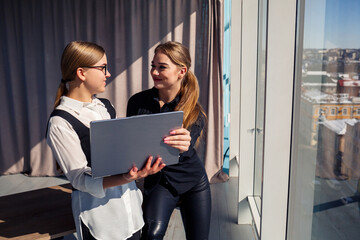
103	68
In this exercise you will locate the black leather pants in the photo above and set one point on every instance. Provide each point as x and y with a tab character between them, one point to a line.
195	208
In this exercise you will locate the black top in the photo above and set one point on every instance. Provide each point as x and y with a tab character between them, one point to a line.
187	173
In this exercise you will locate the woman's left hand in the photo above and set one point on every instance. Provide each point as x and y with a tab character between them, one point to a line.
179	139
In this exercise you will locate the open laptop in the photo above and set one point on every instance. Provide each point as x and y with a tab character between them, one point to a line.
118	144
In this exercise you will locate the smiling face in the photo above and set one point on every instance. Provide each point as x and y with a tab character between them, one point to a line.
166	74
95	78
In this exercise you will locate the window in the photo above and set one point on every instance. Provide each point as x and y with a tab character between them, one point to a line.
324	194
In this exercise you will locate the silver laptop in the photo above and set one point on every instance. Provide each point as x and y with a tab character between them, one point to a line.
118	144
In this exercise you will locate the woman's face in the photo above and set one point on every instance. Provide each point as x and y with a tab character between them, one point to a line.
95	76
166	75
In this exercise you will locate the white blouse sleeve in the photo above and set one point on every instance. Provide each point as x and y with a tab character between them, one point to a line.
66	147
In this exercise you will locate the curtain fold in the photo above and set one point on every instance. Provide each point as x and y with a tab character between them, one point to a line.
214	98
35	32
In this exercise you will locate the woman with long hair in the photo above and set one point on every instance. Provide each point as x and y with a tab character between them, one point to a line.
108	207
184	184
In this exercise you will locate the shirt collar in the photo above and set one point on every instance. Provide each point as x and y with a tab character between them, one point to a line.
76	105
172	104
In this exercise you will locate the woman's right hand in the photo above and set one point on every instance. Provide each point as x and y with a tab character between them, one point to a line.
147	170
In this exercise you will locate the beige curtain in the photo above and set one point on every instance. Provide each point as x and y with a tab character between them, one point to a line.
35	33
214	98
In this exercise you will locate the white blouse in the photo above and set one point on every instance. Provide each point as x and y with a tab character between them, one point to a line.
112	213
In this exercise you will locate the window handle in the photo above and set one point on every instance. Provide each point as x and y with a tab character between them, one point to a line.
259	130
251	130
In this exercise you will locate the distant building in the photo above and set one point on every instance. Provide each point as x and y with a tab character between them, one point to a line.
350	86
328	88
319	106
338	154
351	156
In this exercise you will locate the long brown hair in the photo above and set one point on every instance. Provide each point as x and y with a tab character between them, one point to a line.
189	90
76	54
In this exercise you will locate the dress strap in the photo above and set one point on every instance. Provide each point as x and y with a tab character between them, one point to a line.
109	107
81	130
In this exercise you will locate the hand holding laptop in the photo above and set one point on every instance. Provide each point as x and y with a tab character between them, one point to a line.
148	169
179	138
119	144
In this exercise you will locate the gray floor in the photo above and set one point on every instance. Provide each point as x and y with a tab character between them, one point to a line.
224	201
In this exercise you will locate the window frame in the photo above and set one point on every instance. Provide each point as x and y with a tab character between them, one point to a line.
282	17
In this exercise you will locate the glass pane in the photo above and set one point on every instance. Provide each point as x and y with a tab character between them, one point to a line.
226	83
260	103
324	190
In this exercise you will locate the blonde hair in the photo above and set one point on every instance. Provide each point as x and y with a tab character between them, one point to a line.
76	54
189	90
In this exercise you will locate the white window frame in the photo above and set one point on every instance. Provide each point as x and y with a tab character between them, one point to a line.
278	116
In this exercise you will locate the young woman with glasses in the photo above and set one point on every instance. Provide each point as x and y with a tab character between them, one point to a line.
184	184
103	208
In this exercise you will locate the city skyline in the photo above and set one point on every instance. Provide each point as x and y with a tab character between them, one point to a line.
332	24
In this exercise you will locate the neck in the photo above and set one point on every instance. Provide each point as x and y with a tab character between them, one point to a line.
79	92
80	95
166	95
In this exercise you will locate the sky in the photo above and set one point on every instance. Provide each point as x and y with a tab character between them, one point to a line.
332	24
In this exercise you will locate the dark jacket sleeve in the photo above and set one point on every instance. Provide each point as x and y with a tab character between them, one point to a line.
131	109
195	132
